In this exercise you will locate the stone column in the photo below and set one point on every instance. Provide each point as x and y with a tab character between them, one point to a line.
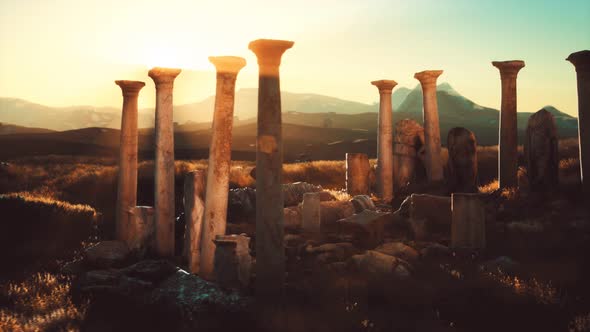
358	174
140	237
127	186
468	227
310	213
194	208
385	140
581	61
219	160
508	145
541	152
164	161
270	252
433	162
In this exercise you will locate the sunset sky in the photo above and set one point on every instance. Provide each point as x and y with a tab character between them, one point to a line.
69	52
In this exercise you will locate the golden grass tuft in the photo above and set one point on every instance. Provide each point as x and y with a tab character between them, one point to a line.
40	303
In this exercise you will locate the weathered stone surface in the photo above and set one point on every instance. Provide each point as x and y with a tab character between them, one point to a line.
432	156
333	251
330	213
581	61
540	151
311	213
508	145
366	229
362	202
127	180
194	209
399	250
381	268
462	164
164	160
384	140
435	250
233	262
408	153
141	230
270	253
293	192
106	254
425	214
358	175
468	228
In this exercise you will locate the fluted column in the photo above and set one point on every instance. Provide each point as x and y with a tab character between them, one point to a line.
164	161
508	145
581	60
385	140
127	185
270	253
434	167
219	159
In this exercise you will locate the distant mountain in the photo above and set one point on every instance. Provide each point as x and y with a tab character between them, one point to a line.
399	95
24	113
8	129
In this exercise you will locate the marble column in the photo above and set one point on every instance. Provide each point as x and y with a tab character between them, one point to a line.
433	162
164	161
270	252
385	140
508	145
581	60
219	160
127	186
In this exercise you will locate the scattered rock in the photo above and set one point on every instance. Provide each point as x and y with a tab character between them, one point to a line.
435	250
366	228
339	251
399	250
361	203
107	254
381	268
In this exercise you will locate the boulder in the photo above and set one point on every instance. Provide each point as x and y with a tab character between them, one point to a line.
365	229
106	254
381	268
361	203
399	250
435	250
330	213
425	214
338	251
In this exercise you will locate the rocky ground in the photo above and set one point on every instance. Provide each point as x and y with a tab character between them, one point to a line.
369	270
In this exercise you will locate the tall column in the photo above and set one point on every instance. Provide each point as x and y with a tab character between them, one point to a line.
194	208
434	167
270	253
508	145
127	186
385	140
219	160
581	61
164	161
358	174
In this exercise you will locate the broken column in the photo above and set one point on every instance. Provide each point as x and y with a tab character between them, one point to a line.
433	162
141	229
310	213
462	164
468	226
508	145
408	152
384	140
194	208
581	60
270	252
164	160
358	171
540	151
219	159
127	185
233	262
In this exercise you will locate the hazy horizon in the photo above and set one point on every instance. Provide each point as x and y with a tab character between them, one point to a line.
68	53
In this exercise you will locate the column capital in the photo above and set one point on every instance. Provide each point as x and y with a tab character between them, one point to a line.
428	77
162	75
509	68
384	86
580	60
269	51
227	64
130	88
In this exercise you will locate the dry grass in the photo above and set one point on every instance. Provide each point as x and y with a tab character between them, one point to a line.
40	303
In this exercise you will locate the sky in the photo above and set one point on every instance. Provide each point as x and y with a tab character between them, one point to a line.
69	52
